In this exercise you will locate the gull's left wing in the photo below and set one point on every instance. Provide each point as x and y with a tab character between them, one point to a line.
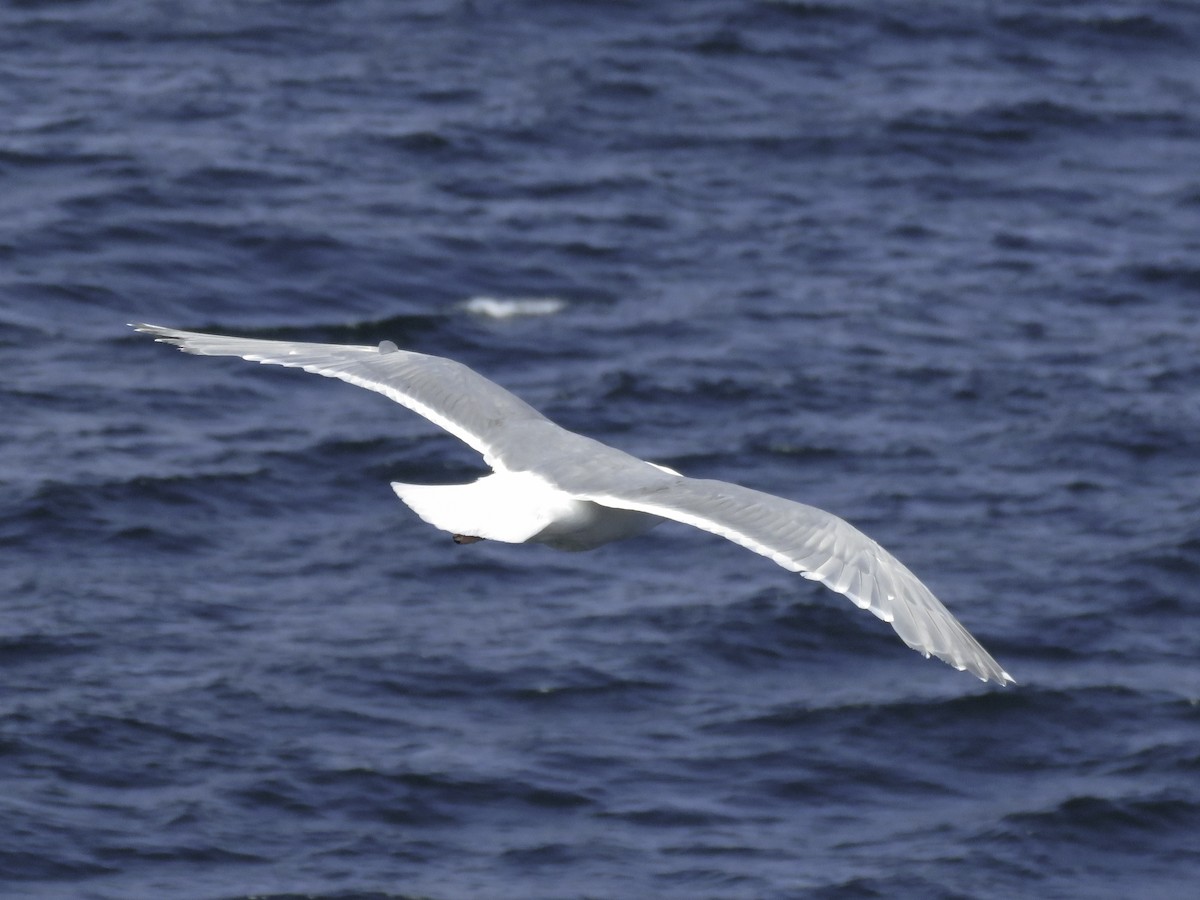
810	541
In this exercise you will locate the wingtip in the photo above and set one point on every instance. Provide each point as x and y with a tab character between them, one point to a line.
162	334
147	328
999	677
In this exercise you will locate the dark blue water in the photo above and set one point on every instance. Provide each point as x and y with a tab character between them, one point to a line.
934	266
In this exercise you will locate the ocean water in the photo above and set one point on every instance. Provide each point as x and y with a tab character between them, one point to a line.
932	266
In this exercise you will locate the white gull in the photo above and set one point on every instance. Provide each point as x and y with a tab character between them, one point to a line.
552	486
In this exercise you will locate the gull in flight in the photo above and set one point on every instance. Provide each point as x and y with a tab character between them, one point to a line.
552	486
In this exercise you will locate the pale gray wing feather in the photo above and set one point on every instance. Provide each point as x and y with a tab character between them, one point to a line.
802	539
475	410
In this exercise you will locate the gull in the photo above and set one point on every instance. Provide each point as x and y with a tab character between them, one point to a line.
552	486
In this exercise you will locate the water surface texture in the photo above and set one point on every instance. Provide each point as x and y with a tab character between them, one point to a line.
933	266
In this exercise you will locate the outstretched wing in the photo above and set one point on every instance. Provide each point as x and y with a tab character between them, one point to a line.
476	411
814	543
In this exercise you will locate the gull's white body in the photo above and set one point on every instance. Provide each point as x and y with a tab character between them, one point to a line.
520	508
558	488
